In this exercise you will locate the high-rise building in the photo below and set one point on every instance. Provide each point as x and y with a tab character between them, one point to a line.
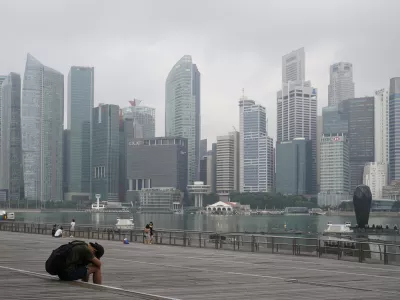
394	129
297	117
293	66
213	154
319	134
270	165
105	152
159	162
79	120
341	85
243	103
335	170
254	147
381	124
361	137
227	164
203	148
375	177
293	167
66	148
182	109
11	171
335	119
126	134
42	119
144	119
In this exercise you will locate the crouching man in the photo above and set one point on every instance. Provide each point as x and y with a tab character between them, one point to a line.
76	260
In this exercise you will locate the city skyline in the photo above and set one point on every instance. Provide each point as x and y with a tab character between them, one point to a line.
135	62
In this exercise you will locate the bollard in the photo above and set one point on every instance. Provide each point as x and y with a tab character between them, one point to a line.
252	243
200	240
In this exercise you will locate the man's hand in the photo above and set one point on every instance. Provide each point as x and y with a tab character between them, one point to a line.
96	262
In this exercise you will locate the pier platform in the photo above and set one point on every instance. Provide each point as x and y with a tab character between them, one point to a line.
138	271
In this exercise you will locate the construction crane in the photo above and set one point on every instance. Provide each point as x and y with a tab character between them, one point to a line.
234	128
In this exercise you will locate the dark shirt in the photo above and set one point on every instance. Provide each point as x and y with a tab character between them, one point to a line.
79	256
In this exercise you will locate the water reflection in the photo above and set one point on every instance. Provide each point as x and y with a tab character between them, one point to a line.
199	222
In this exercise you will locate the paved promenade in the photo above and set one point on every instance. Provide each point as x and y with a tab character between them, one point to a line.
138	271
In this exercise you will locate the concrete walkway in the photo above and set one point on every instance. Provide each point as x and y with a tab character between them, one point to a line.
138	271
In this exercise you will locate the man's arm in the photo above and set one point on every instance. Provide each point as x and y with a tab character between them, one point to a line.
96	261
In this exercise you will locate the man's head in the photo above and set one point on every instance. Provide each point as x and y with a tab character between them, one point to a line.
96	249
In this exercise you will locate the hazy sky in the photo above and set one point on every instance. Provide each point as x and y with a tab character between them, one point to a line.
236	44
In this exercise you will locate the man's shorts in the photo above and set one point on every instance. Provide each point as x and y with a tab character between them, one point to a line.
75	274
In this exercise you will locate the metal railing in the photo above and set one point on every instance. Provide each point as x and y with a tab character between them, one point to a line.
361	251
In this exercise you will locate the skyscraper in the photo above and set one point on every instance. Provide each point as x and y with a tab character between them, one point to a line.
297	107
361	137
297	117
144	119
381	127
255	148
11	176
341	85
293	66
227	164
105	152
334	170
42	112
394	129
182	109
79	119
293	167
243	103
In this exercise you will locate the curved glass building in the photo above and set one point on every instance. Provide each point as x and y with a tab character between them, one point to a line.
182	109
42	119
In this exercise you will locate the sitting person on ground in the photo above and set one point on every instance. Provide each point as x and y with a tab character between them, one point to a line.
59	232
76	260
53	231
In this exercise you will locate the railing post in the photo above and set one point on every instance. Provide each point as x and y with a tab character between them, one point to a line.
294	246
252	243
38	229
360	253
200	240
272	244
385	256
216	240
130	236
170	237
184	239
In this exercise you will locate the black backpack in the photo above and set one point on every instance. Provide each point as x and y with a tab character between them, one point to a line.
57	260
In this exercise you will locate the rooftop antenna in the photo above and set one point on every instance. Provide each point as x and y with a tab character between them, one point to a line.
135	102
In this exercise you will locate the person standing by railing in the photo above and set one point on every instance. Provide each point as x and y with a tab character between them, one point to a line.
146	234
151	232
72	229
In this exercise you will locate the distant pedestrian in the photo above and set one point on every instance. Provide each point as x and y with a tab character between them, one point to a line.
146	234
151	232
72	229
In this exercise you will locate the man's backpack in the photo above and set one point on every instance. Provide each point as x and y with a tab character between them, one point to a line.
57	260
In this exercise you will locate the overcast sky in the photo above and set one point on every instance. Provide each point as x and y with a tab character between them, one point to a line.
236	44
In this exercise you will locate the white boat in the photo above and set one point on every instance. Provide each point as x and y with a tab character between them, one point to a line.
338	228
125	224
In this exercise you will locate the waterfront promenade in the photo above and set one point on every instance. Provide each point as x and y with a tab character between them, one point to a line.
136	270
